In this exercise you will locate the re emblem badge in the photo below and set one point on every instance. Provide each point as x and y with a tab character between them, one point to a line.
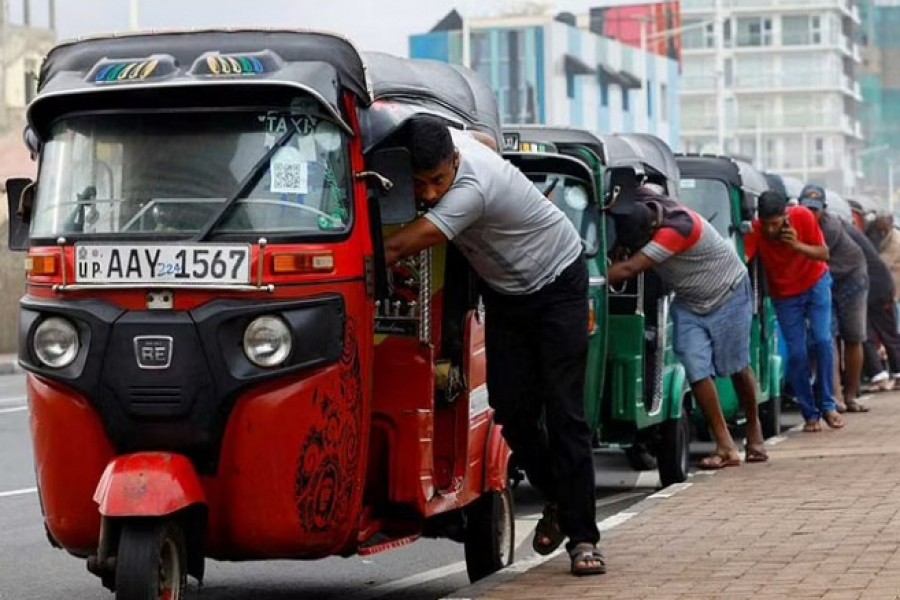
153	351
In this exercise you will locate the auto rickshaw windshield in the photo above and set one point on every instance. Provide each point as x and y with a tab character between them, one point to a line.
710	199
123	174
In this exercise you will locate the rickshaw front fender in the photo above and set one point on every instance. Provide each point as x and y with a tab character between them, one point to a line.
677	379
148	484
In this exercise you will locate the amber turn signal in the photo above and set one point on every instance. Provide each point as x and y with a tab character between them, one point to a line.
303	262
41	265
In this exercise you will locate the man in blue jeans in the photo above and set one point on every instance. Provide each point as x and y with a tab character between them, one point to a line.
792	249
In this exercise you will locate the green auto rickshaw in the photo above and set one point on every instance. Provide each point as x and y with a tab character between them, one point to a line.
636	394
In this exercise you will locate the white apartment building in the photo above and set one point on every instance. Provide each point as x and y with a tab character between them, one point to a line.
788	81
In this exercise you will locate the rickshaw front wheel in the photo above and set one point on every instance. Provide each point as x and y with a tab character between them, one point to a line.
151	563
490	534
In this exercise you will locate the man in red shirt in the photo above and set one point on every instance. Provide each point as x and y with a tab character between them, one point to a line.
792	249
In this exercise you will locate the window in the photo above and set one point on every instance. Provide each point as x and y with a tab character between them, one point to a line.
604	88
819	153
801	30
626	99
649	88
570	85
664	102
754	31
31	69
697	35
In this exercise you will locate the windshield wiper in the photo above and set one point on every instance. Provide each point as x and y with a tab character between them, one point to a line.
246	185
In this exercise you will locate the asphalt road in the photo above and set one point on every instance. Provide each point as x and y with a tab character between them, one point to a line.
425	570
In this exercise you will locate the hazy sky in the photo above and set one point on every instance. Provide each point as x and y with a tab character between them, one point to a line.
373	24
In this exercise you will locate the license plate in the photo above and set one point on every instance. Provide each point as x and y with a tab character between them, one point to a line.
209	264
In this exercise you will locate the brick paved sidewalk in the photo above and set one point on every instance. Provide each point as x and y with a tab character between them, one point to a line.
820	520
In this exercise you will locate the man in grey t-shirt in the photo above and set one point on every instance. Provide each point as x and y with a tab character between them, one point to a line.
530	258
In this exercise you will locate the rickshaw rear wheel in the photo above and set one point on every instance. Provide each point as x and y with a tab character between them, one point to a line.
770	417
640	457
151	563
675	448
490	534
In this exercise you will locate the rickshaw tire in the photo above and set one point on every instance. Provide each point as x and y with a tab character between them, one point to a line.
640	458
770	417
140	556
674	450
488	547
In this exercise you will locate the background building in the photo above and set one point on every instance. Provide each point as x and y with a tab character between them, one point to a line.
22	48
786	73
554	69
880	80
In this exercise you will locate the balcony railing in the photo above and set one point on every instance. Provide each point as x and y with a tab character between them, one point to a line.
698	120
755	5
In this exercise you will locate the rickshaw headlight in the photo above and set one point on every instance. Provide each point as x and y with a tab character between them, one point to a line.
55	342
267	341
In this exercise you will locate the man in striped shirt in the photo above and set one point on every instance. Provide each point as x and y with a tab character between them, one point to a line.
712	311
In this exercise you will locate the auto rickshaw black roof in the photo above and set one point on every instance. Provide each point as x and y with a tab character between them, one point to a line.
321	64
450	90
737	173
634	150
734	172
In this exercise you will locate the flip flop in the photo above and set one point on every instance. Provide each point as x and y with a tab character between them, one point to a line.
756	456
834	420
812	426
547	535
584	554
714	462
855	407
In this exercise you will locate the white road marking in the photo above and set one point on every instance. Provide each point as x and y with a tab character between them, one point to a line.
670	491
14	409
407	582
21	492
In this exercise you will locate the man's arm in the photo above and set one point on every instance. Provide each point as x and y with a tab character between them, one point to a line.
629	268
416	236
811	251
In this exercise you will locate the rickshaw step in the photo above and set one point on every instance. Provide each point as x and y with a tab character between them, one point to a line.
374	548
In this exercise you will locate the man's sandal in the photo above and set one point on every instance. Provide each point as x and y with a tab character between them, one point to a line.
854	406
587	560
547	534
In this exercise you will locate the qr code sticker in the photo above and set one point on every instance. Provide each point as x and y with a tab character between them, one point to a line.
289	175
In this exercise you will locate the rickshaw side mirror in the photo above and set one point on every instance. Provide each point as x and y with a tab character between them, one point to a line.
396	202
20	199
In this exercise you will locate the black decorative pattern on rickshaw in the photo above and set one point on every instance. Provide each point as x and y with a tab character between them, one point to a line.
329	454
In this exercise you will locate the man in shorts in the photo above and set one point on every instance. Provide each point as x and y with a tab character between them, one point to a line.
849	292
712	311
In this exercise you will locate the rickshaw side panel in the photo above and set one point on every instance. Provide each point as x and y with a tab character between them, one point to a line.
293	459
71	451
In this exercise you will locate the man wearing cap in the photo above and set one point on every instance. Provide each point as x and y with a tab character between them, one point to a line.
793	252
849	293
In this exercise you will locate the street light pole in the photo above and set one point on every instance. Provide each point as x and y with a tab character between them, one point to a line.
890	162
719	34
133	20
644	83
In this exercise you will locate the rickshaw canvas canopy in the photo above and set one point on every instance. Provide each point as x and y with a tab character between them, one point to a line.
402	88
322	64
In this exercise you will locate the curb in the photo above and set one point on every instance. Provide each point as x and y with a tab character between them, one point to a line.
516	569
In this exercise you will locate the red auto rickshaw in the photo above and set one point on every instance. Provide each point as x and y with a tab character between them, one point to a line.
220	363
